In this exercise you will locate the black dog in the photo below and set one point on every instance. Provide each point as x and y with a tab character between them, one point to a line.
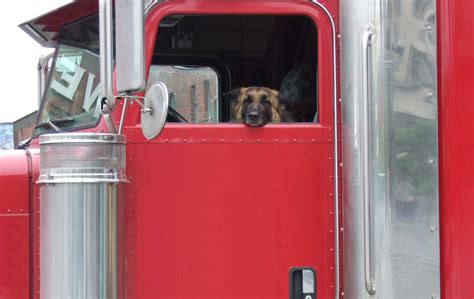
298	92
256	106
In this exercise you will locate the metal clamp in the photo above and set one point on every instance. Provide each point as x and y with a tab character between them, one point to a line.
368	39
128	99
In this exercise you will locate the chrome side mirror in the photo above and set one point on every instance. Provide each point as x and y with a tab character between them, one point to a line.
130	45
154	110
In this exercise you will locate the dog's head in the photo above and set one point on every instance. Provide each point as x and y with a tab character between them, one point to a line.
254	106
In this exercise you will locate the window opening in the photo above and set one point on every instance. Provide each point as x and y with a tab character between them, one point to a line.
277	54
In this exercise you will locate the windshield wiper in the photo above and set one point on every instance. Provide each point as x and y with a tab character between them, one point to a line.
55	123
49	123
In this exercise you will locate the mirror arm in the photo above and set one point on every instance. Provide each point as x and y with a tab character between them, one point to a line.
127	100
124	112
154	109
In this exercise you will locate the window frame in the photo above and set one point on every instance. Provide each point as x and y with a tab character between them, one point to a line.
325	81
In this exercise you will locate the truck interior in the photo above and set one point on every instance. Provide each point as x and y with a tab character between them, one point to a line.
229	52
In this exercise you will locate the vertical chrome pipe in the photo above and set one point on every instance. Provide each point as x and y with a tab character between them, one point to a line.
106	61
82	215
106	50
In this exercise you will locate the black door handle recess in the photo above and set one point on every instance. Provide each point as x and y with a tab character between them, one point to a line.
302	283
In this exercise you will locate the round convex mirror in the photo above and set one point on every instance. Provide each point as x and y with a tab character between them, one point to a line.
155	109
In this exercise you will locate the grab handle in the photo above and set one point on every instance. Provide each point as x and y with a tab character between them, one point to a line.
368	39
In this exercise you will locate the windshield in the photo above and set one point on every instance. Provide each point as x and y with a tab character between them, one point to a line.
72	97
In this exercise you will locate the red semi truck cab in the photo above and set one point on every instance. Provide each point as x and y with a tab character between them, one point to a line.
142	181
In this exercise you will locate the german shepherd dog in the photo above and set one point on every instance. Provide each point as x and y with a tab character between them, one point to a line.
256	106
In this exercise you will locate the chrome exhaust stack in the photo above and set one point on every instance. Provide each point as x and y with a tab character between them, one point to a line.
82	215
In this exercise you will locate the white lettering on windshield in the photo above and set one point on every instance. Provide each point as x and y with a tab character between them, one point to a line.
91	96
72	83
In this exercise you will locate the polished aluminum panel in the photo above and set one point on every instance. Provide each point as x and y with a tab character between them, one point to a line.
391	236
410	65
82	218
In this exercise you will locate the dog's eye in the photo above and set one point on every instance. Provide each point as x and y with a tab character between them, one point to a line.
247	99
265	100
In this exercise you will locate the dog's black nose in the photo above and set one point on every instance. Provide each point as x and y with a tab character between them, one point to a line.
253	115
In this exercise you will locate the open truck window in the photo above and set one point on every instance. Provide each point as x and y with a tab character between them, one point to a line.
231	52
196	87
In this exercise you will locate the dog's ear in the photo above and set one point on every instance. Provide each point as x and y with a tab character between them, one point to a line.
235	107
232	96
274	93
284	109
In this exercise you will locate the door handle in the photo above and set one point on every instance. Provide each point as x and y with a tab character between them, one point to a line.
368	39
302	283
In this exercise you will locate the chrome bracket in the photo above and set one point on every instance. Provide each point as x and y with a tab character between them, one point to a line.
127	98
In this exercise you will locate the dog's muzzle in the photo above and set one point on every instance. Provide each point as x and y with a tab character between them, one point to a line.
254	119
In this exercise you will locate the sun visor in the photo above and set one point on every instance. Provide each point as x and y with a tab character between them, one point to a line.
45	28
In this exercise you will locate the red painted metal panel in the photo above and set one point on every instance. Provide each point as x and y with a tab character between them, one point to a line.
229	219
225	210
14	256
456	129
13	182
14	225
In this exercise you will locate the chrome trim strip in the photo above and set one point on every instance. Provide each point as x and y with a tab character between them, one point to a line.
82	138
66	181
368	39
336	154
65	175
151	6
81	141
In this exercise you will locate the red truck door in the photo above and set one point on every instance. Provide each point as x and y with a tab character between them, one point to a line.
228	211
